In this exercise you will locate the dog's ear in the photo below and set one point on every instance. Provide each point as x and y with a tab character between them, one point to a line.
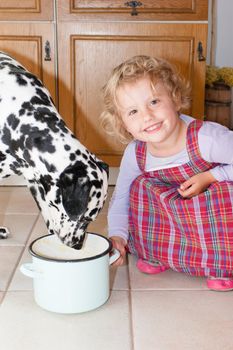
75	188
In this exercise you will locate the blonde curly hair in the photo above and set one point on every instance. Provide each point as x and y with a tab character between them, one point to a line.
135	68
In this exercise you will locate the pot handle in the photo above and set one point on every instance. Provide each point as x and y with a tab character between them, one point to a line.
115	254
29	271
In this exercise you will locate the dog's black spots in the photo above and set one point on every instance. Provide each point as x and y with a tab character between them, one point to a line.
51	204
13	98
42	192
92	164
26	106
58	196
33	190
6	135
97	184
17	71
78	152
15	145
40	98
2	157
67	147
98	194
44	97
22	111
47	182
72	157
27	158
62	127
36	100
77	243
2	59
38	138
34	193
94	173
33	79
85	156
15	168
93	212
51	168
44	115
13	121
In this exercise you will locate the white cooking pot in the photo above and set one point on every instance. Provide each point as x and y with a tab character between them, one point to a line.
67	280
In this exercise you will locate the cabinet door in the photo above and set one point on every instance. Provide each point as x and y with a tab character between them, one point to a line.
26	10
26	43
88	52
189	10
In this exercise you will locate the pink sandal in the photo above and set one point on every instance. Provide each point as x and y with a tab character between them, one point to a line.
145	267
220	284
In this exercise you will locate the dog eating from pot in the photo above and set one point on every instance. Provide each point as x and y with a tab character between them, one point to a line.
67	181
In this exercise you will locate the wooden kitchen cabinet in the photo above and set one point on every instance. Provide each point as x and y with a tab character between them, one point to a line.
179	10
88	50
28	10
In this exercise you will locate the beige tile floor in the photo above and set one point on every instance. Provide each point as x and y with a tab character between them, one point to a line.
165	312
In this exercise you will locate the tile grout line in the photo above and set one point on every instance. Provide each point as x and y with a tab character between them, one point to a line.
130	307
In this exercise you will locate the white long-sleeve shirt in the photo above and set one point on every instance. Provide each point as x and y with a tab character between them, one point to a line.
215	144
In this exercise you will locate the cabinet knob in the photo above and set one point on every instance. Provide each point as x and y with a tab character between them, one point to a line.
201	57
47	50
134	5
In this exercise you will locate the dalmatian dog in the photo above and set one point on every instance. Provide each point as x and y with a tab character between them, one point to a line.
68	183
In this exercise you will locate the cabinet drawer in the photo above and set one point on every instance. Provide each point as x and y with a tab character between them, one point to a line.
26	10
134	10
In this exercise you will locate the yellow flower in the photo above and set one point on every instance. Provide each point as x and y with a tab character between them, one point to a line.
215	75
226	75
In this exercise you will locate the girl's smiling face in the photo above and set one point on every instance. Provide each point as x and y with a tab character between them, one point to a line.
149	114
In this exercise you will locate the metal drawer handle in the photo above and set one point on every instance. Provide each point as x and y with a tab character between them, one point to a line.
134	5
201	57
47	50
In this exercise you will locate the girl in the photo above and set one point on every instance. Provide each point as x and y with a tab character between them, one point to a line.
172	205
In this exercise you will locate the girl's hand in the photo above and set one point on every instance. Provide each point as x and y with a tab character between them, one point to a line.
196	184
119	243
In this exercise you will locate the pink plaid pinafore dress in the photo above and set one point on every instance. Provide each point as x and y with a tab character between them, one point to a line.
193	235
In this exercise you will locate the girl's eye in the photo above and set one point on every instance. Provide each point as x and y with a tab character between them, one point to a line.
153	102
134	111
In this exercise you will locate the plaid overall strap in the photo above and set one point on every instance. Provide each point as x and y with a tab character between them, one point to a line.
141	154
198	163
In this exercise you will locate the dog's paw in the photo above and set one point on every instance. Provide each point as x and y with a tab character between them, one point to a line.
4	232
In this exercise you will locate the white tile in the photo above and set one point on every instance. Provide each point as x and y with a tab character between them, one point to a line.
168	280
23	322
9	257
188	320
19	226
19	281
17	200
119	277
